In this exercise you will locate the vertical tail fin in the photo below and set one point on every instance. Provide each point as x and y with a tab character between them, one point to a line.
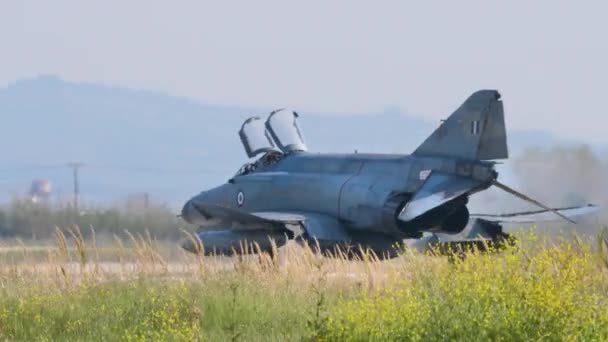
475	131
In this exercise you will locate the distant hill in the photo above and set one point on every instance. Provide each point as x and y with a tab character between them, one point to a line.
170	147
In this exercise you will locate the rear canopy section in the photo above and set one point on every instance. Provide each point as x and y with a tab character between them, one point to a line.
283	127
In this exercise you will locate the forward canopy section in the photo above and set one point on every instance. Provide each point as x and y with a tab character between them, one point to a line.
255	138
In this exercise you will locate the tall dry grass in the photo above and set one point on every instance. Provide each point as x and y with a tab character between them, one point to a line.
139	288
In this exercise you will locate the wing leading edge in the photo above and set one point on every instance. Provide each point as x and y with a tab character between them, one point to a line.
318	226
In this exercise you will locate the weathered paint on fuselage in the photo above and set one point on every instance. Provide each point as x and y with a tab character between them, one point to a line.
355	188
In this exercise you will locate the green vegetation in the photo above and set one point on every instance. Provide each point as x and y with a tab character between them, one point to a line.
28	220
556	293
543	291
159	309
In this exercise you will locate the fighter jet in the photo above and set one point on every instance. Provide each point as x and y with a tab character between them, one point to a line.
366	202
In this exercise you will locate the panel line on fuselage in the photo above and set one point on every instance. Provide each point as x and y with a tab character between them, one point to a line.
343	185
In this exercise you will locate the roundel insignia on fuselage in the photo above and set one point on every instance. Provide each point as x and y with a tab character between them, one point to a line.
240	198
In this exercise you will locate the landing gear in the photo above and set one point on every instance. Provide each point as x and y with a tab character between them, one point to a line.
501	243
489	238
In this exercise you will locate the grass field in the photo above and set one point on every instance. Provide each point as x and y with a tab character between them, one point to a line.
138	289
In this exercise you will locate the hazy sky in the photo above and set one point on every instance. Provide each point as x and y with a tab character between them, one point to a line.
548	58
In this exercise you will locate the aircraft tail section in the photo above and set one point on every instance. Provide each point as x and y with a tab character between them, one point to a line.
475	131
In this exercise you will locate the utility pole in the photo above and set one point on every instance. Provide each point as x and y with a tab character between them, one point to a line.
146	201
75	167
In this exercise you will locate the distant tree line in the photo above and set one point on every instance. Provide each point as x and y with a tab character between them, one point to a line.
27	220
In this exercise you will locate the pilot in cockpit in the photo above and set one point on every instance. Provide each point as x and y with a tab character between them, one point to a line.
269	158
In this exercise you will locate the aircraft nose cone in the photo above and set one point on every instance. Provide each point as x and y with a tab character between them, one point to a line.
190	246
189	212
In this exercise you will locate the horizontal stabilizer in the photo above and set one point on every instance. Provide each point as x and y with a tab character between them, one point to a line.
439	188
539	215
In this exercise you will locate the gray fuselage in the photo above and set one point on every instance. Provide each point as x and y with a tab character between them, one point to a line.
363	191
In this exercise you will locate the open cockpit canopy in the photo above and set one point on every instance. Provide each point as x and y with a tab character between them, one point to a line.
255	137
282	126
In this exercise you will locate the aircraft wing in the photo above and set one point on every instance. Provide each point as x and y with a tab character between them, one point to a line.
277	216
238	219
318	226
538	215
